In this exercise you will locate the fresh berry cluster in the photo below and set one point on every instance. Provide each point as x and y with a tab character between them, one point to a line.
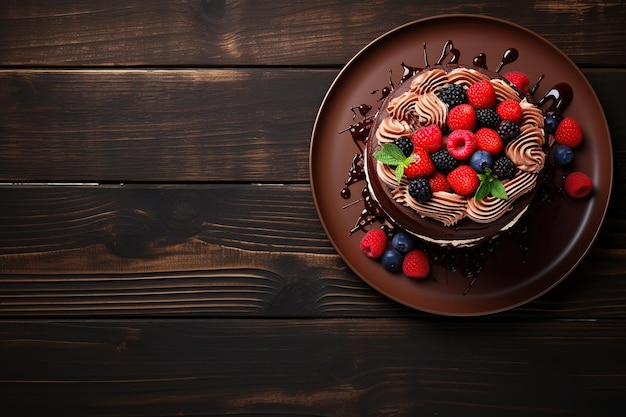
568	136
396	254
466	155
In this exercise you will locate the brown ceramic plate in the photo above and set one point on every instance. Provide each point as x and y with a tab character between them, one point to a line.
558	237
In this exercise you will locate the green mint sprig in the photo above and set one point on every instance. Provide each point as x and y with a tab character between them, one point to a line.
391	154
490	185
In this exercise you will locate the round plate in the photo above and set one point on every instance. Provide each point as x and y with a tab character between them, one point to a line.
558	237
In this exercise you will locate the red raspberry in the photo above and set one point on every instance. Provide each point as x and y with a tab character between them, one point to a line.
374	243
429	137
462	116
578	185
481	95
510	110
519	80
488	140
416	264
569	133
438	182
422	166
463	180
461	143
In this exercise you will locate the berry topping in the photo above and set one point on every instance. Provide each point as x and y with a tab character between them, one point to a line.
429	138
569	133
551	123
462	116
519	80
416	264
438	182
487	118
578	185
419	190
481	160
510	110
403	242
452	95
507	131
504	168
421	165
374	243
443	161
463	180
461	143
488	140
391	260
481	95
405	144
563	155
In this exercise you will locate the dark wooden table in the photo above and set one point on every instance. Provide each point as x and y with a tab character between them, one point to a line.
149	265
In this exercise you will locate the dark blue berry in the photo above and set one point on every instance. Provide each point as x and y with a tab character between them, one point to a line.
392	260
481	160
551	124
563	155
403	242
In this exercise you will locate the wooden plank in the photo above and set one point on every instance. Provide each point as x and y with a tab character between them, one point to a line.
179	126
323	368
221	250
220	33
158	125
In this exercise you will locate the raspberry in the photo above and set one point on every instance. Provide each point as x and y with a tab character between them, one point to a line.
419	190
416	264
488	140
443	161
463	180
462	116
438	182
578	185
405	144
429	137
510	110
461	144
374	243
569	133
481	95
422	166
519	80
452	95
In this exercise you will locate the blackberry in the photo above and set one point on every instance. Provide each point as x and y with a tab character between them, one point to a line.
452	95
504	168
443	161
405	144
507	131
487	118
419	190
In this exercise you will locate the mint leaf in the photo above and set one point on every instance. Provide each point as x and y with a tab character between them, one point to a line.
399	172
483	190
498	191
390	154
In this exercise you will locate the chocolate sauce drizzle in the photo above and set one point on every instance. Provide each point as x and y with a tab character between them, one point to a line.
468	261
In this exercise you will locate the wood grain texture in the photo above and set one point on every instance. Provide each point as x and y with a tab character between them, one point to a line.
312	368
247	125
220	250
227	33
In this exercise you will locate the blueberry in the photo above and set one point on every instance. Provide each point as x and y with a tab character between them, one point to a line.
403	242
392	260
551	124
480	160
563	155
